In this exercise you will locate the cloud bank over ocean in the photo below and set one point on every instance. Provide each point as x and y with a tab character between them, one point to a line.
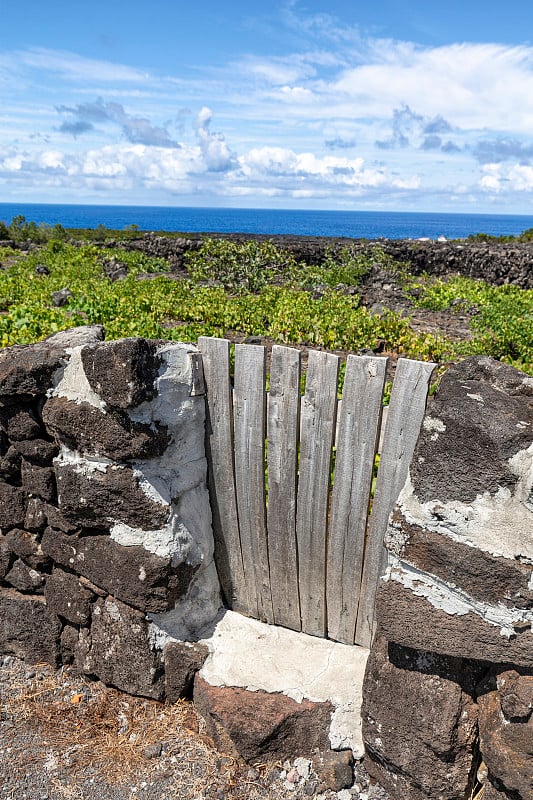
332	117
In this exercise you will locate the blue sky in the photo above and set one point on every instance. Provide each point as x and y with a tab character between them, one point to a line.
350	105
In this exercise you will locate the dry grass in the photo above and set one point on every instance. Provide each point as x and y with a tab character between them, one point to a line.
86	728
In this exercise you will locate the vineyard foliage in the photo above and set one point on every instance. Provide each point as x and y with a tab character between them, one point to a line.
252	289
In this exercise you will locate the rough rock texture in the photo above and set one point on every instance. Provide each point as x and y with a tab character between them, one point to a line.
105	527
117	650
66	597
182	661
419	722
122	373
284	729
93	497
506	731
29	369
132	574
114	435
28	629
479	419
459	585
334	769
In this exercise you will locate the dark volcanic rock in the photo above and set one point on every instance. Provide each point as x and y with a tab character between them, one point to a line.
483	576
122	373
84	428
506	731
12	506
118	631
22	425
67	598
182	661
478	409
25	579
28	630
258	725
26	546
36	451
420	742
131	574
28	369
334	769
90	498
413	621
38	481
6	556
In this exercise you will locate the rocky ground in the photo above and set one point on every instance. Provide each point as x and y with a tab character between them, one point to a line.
64	737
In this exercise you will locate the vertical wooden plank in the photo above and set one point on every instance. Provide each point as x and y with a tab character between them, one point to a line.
406	412
219	451
283	435
317	430
358	427
249	408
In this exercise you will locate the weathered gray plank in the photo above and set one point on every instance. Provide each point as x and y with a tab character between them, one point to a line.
249	407
317	429
357	437
219	450
406	411
283	435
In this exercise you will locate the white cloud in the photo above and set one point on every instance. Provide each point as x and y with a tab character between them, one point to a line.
499	178
341	116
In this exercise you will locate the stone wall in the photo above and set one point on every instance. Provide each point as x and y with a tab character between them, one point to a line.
449	682
106	547
494	262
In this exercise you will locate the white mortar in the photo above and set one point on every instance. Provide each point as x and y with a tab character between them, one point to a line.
500	524
252	655
454	601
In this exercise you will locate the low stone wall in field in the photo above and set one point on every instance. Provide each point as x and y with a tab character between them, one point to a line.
494	262
449	683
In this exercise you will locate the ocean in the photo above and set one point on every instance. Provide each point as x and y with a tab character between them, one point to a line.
353	224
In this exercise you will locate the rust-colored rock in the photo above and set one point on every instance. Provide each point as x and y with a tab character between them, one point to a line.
506	732
334	769
257	725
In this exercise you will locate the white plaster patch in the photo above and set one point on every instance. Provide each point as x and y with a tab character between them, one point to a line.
250	654
83	464
191	613
454	601
172	540
500	524
71	382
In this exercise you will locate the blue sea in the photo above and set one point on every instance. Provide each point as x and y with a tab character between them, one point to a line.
352	224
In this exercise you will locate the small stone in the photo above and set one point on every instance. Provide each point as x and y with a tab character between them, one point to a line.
310	788
303	766
61	297
153	750
292	776
252	774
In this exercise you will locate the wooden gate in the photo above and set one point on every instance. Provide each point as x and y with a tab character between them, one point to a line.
299	515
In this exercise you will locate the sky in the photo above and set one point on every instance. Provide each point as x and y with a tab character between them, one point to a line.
411	106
